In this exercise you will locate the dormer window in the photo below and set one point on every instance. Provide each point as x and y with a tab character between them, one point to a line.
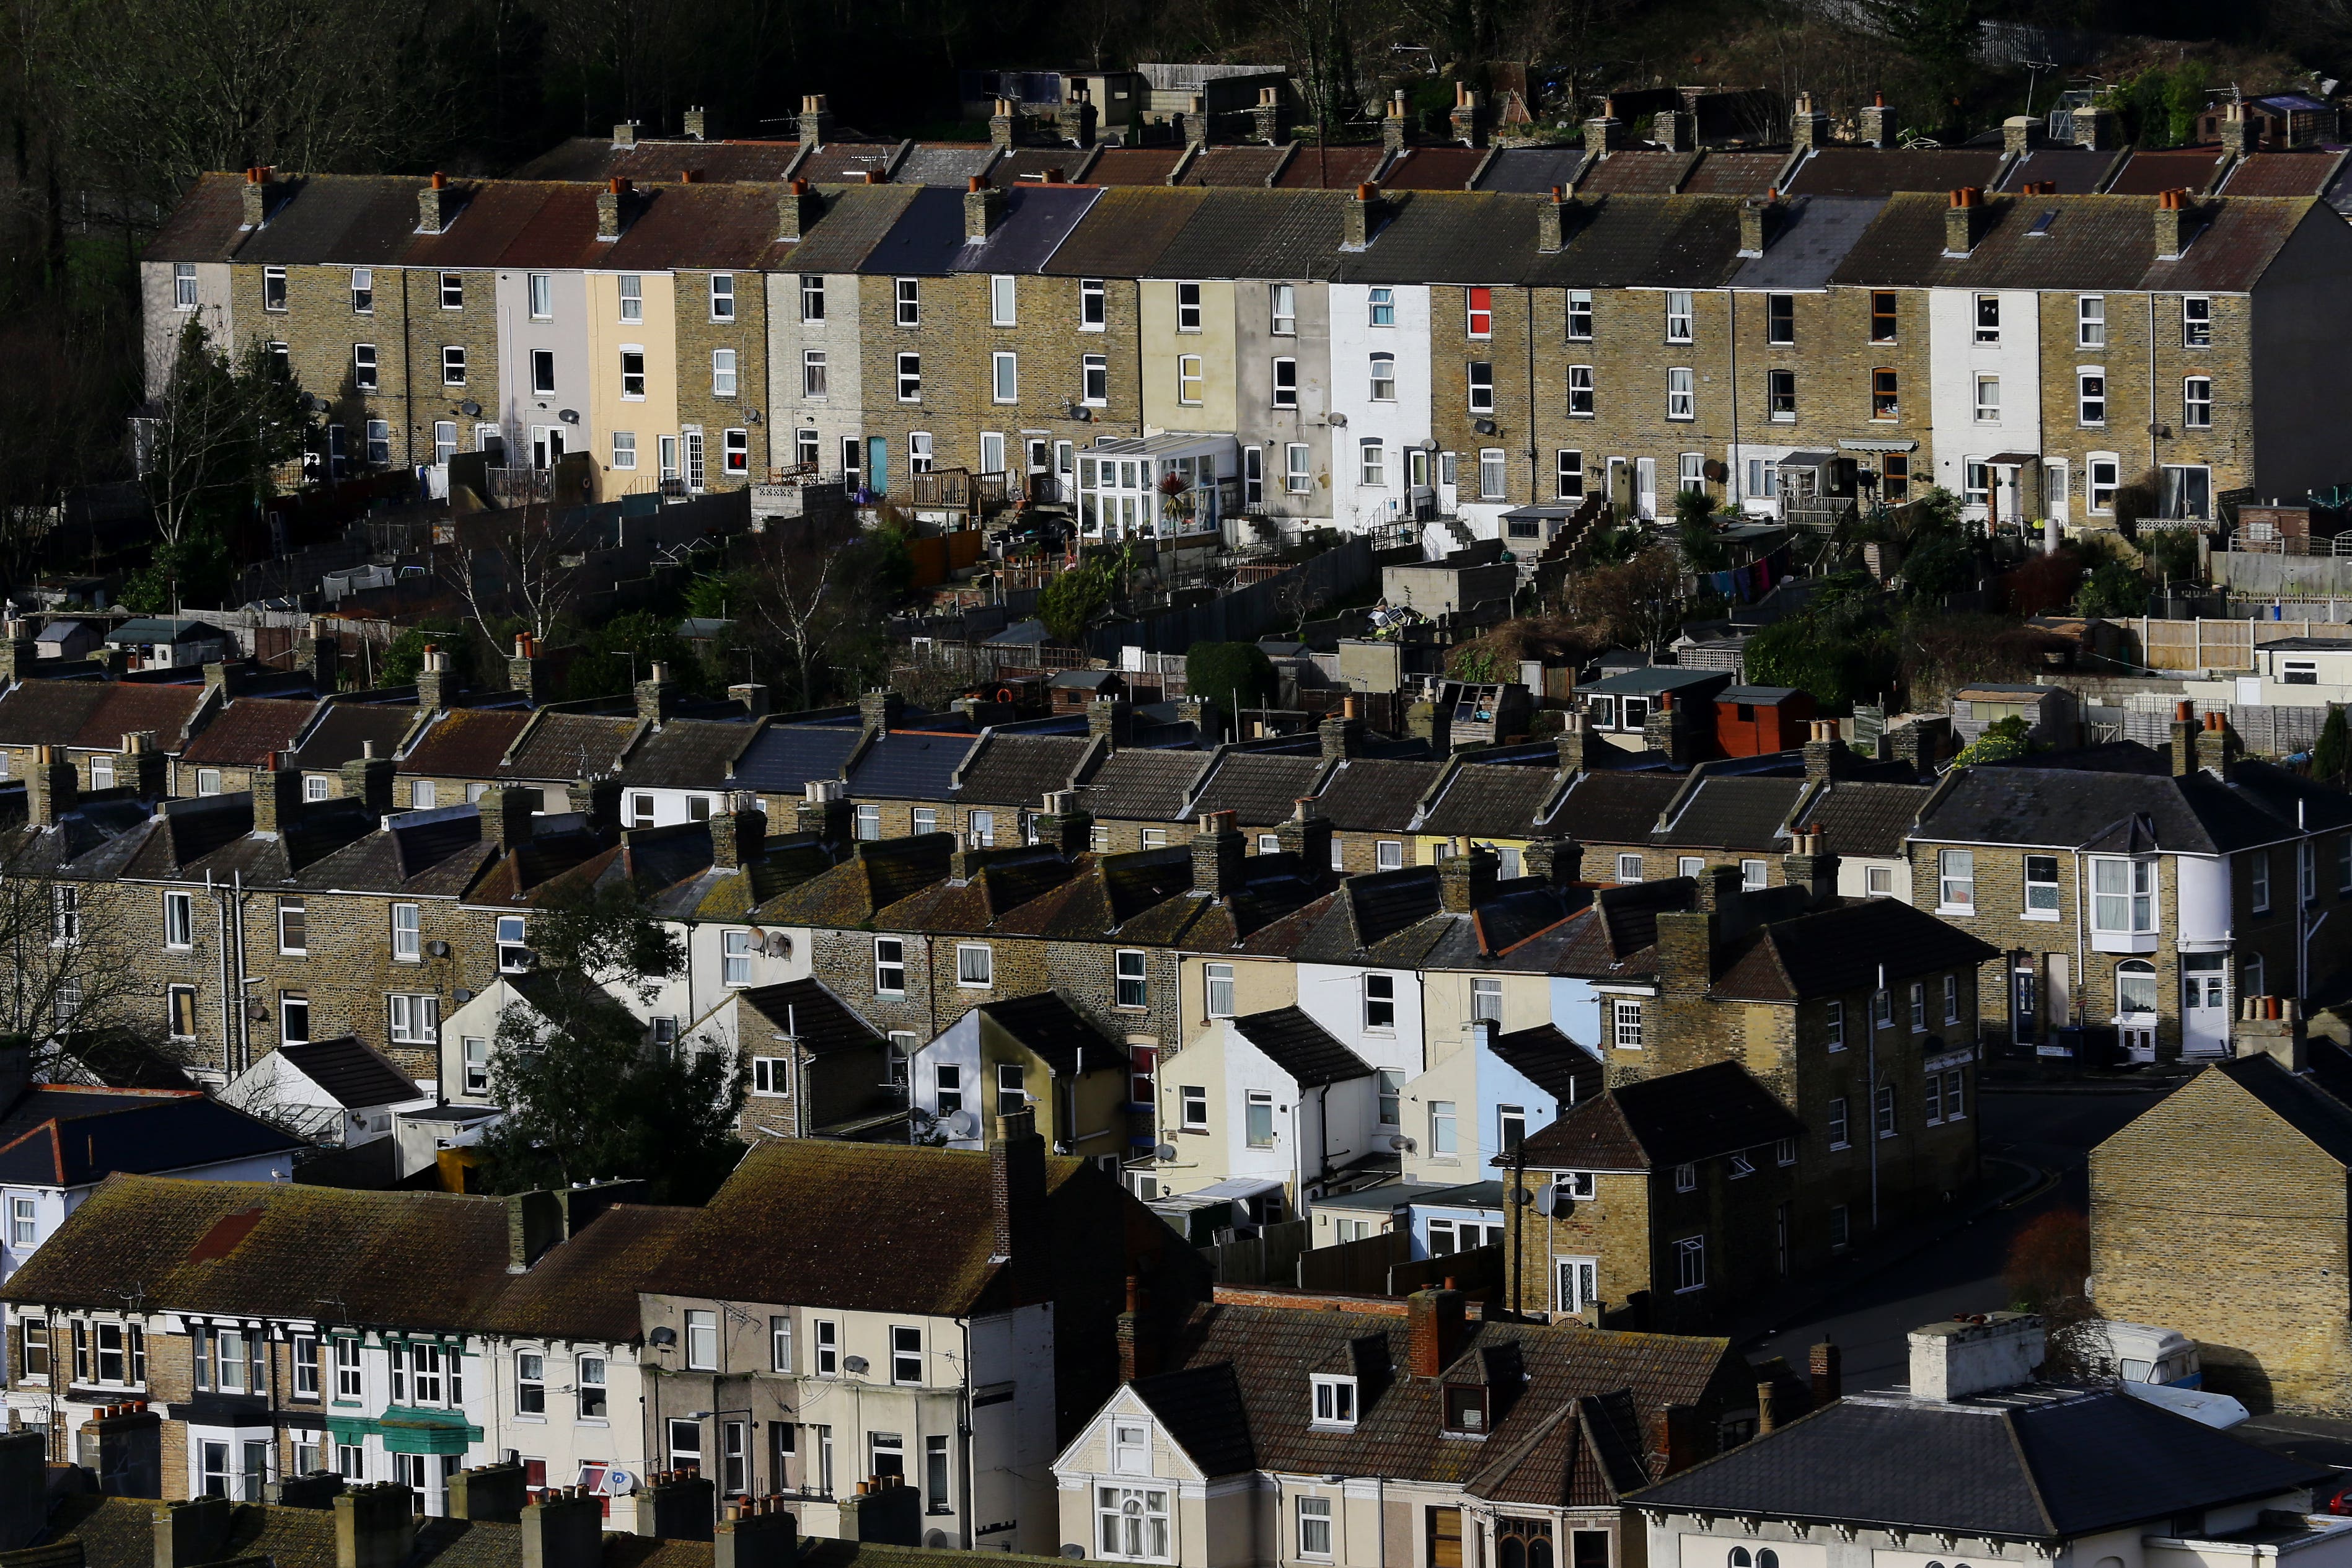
1334	1402
1465	1410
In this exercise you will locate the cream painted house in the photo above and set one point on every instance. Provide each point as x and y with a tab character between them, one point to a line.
1303	1435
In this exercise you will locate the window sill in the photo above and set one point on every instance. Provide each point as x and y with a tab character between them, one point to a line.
1965	912
591	1421
521	1419
2049	916
1835	1147
2123	941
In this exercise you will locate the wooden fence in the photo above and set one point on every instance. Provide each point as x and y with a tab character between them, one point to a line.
2217	645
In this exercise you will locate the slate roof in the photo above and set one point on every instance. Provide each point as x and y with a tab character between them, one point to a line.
687	754
1845	949
824	1022
1728	173
263	1248
1258	234
1733	813
877	873
1061	1036
855	218
1674	1119
2052	808
1123	233
2076	172
1486	800
1373	795
1813	237
433	853
1613	807
2093	242
1432	169
94	715
2071	1466
782	758
1259	1358
1532	170
910	765
247	730
1635	171
1020	770
353	1073
465	743
1877	171
570	746
1260	788
68	1136
1302	1048
948	164
1134	165
1148	785
1552	1062
345	728
2148	171
585	1287
760	1238
847	162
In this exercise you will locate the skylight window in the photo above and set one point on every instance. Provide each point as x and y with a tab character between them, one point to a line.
2040	228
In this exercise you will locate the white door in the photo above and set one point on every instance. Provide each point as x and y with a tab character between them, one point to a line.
1646	480
1576	1280
2138	1041
2055	492
2204	1004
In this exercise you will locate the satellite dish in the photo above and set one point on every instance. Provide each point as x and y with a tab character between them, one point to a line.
470	408
665	1335
437	948
855	1364
935	1539
1548	1201
1164	1151
464	995
1714	471
962	1124
1401	1143
619	1483
779	944
569	415
1071	1548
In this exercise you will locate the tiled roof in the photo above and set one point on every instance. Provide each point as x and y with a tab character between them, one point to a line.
1302	1048
465	743
1637	171
1813	237
1234	166
1620	240
353	1073
1020	770
784	757
910	765
570	746
1260	788
760	1238
685	753
1134	165
342	731
94	715
1486	800
2092	242
1672	1119
2284	174
948	164
855	218
1125	231
262	1249
1858	818
585	1287
878	873
1258	234
1145	785
845	163
1370	794
430	853
1432	169
1721	173
1399	1431
2063	809
247	730
1846	949
2074	1464
2150	172
1315	168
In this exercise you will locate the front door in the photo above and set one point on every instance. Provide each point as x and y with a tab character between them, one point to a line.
877	465
2138	1041
2024	1001
1645	478
1576	1280
2204	1004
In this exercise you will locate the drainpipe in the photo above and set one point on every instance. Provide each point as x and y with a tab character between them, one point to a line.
2151	401
1873	1092
1737	495
963	1431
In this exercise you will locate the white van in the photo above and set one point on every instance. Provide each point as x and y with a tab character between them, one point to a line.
2142	1352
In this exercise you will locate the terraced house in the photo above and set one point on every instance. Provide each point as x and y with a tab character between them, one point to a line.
1359	336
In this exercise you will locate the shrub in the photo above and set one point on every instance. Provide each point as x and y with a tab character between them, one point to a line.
1230	672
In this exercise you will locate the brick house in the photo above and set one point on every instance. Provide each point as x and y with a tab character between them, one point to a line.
1273	1434
2222	1212
1671	1203
86	723
241	741
2145	903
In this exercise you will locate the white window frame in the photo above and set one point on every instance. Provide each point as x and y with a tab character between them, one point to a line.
1682	393
906	301
1282	309
1094	305
1625	1024
1004	376
2091	396
910	378
1188	307
1956	882
1682	324
1003	305
407	934
975	965
1581	392
2091	322
889	959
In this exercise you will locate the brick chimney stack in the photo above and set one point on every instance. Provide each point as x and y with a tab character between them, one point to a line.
257	181
611	202
2177	222
1823	1366
1878	125
1809	128
797	209
1342	734
700	124
1265	120
368	778
1676	130
375	1526
1392	125
1004	119
984	208
1219	855
1307	835
1016	1190
655	694
1465	879
1434	1331
276	794
1193	125
1362	217
815	121
436	203
2019	134
1964	216
738	835
433	679
1758	218
1551	221
1464	120
1603	133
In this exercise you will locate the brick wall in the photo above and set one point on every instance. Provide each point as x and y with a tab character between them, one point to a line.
431	328
2211	1214
699	403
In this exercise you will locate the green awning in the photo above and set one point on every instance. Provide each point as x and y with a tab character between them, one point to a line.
407	1430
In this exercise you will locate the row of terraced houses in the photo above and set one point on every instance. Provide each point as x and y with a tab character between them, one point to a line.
1349	335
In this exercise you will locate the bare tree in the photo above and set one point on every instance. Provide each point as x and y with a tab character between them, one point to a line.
1640	602
805	593
74	985
517	569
